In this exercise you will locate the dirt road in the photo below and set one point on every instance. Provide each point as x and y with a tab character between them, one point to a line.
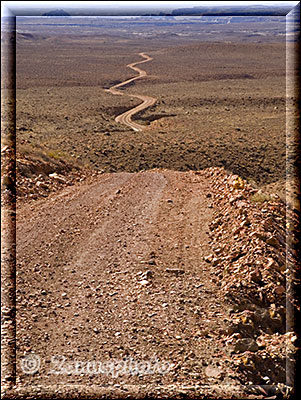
147	101
115	269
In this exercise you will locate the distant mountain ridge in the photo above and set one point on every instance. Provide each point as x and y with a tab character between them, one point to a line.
220	10
247	10
56	13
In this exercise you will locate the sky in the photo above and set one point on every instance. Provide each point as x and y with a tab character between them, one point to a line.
6	5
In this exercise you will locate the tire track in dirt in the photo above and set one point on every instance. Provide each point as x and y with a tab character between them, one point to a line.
97	276
147	101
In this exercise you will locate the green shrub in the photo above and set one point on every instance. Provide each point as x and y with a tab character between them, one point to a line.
56	154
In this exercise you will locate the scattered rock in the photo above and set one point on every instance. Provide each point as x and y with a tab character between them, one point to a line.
215	261
279	290
272	241
245	344
57	177
271	263
256	276
209	258
41	185
175	271
212	372
147	275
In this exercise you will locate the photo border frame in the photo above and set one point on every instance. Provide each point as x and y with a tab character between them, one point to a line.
8	222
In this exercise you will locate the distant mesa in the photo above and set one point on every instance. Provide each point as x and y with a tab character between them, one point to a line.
56	13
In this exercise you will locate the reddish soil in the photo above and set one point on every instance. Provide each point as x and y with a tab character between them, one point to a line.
87	249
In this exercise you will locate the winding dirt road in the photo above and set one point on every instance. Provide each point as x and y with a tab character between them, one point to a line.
147	101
